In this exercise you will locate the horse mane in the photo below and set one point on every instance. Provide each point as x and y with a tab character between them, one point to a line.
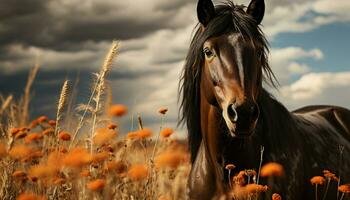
230	18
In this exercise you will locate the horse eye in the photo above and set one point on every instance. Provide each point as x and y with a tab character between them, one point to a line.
208	52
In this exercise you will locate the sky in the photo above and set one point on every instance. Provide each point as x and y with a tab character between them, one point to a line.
309	50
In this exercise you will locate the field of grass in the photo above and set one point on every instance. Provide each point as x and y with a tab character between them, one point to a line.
86	157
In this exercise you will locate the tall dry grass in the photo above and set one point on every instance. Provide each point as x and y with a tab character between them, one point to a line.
46	159
87	157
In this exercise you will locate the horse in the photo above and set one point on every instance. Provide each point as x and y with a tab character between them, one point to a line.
229	115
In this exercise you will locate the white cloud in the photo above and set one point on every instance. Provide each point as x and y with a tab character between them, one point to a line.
286	62
318	88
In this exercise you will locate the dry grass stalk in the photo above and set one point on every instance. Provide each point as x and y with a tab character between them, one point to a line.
61	103
6	103
26	97
98	91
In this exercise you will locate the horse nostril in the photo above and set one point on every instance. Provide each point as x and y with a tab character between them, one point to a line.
232	113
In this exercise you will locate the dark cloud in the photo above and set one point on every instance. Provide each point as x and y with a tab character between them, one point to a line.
55	25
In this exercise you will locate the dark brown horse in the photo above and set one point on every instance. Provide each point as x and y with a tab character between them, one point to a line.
229	115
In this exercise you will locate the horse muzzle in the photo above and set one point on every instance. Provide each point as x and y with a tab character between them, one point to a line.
241	120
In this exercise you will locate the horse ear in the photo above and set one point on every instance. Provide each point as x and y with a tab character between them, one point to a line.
256	9
205	11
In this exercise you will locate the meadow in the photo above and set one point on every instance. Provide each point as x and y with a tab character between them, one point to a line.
81	153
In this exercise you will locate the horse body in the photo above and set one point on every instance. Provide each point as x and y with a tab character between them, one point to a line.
305	145
230	116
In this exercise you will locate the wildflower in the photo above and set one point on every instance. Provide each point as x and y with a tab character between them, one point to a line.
85	173
48	131
42	171
14	131
42	119
117	110
21	134
104	135
144	133
100	157
19	174
132	135
239	179
255	188
329	175
250	172
167	132
230	166
32	137
33	124
118	167
276	196
77	157
30	196
52	123
170	159
344	188
64	136
96	185
138	172
163	111
272	169
36	154
20	152
317	180
112	126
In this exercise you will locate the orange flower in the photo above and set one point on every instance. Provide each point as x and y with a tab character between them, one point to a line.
100	157
167	132
52	123
317	180
32	137
170	159
21	134
112	126
30	196
162	110
33	124
255	188
138	172
118	167
250	172
19	174
117	110
344	188
144	133
276	196
20	152
329	175
272	169
104	135
42	119
77	157
96	185
42	171
48	131
230	166
14	131
239	179
64	136
132	135
85	173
